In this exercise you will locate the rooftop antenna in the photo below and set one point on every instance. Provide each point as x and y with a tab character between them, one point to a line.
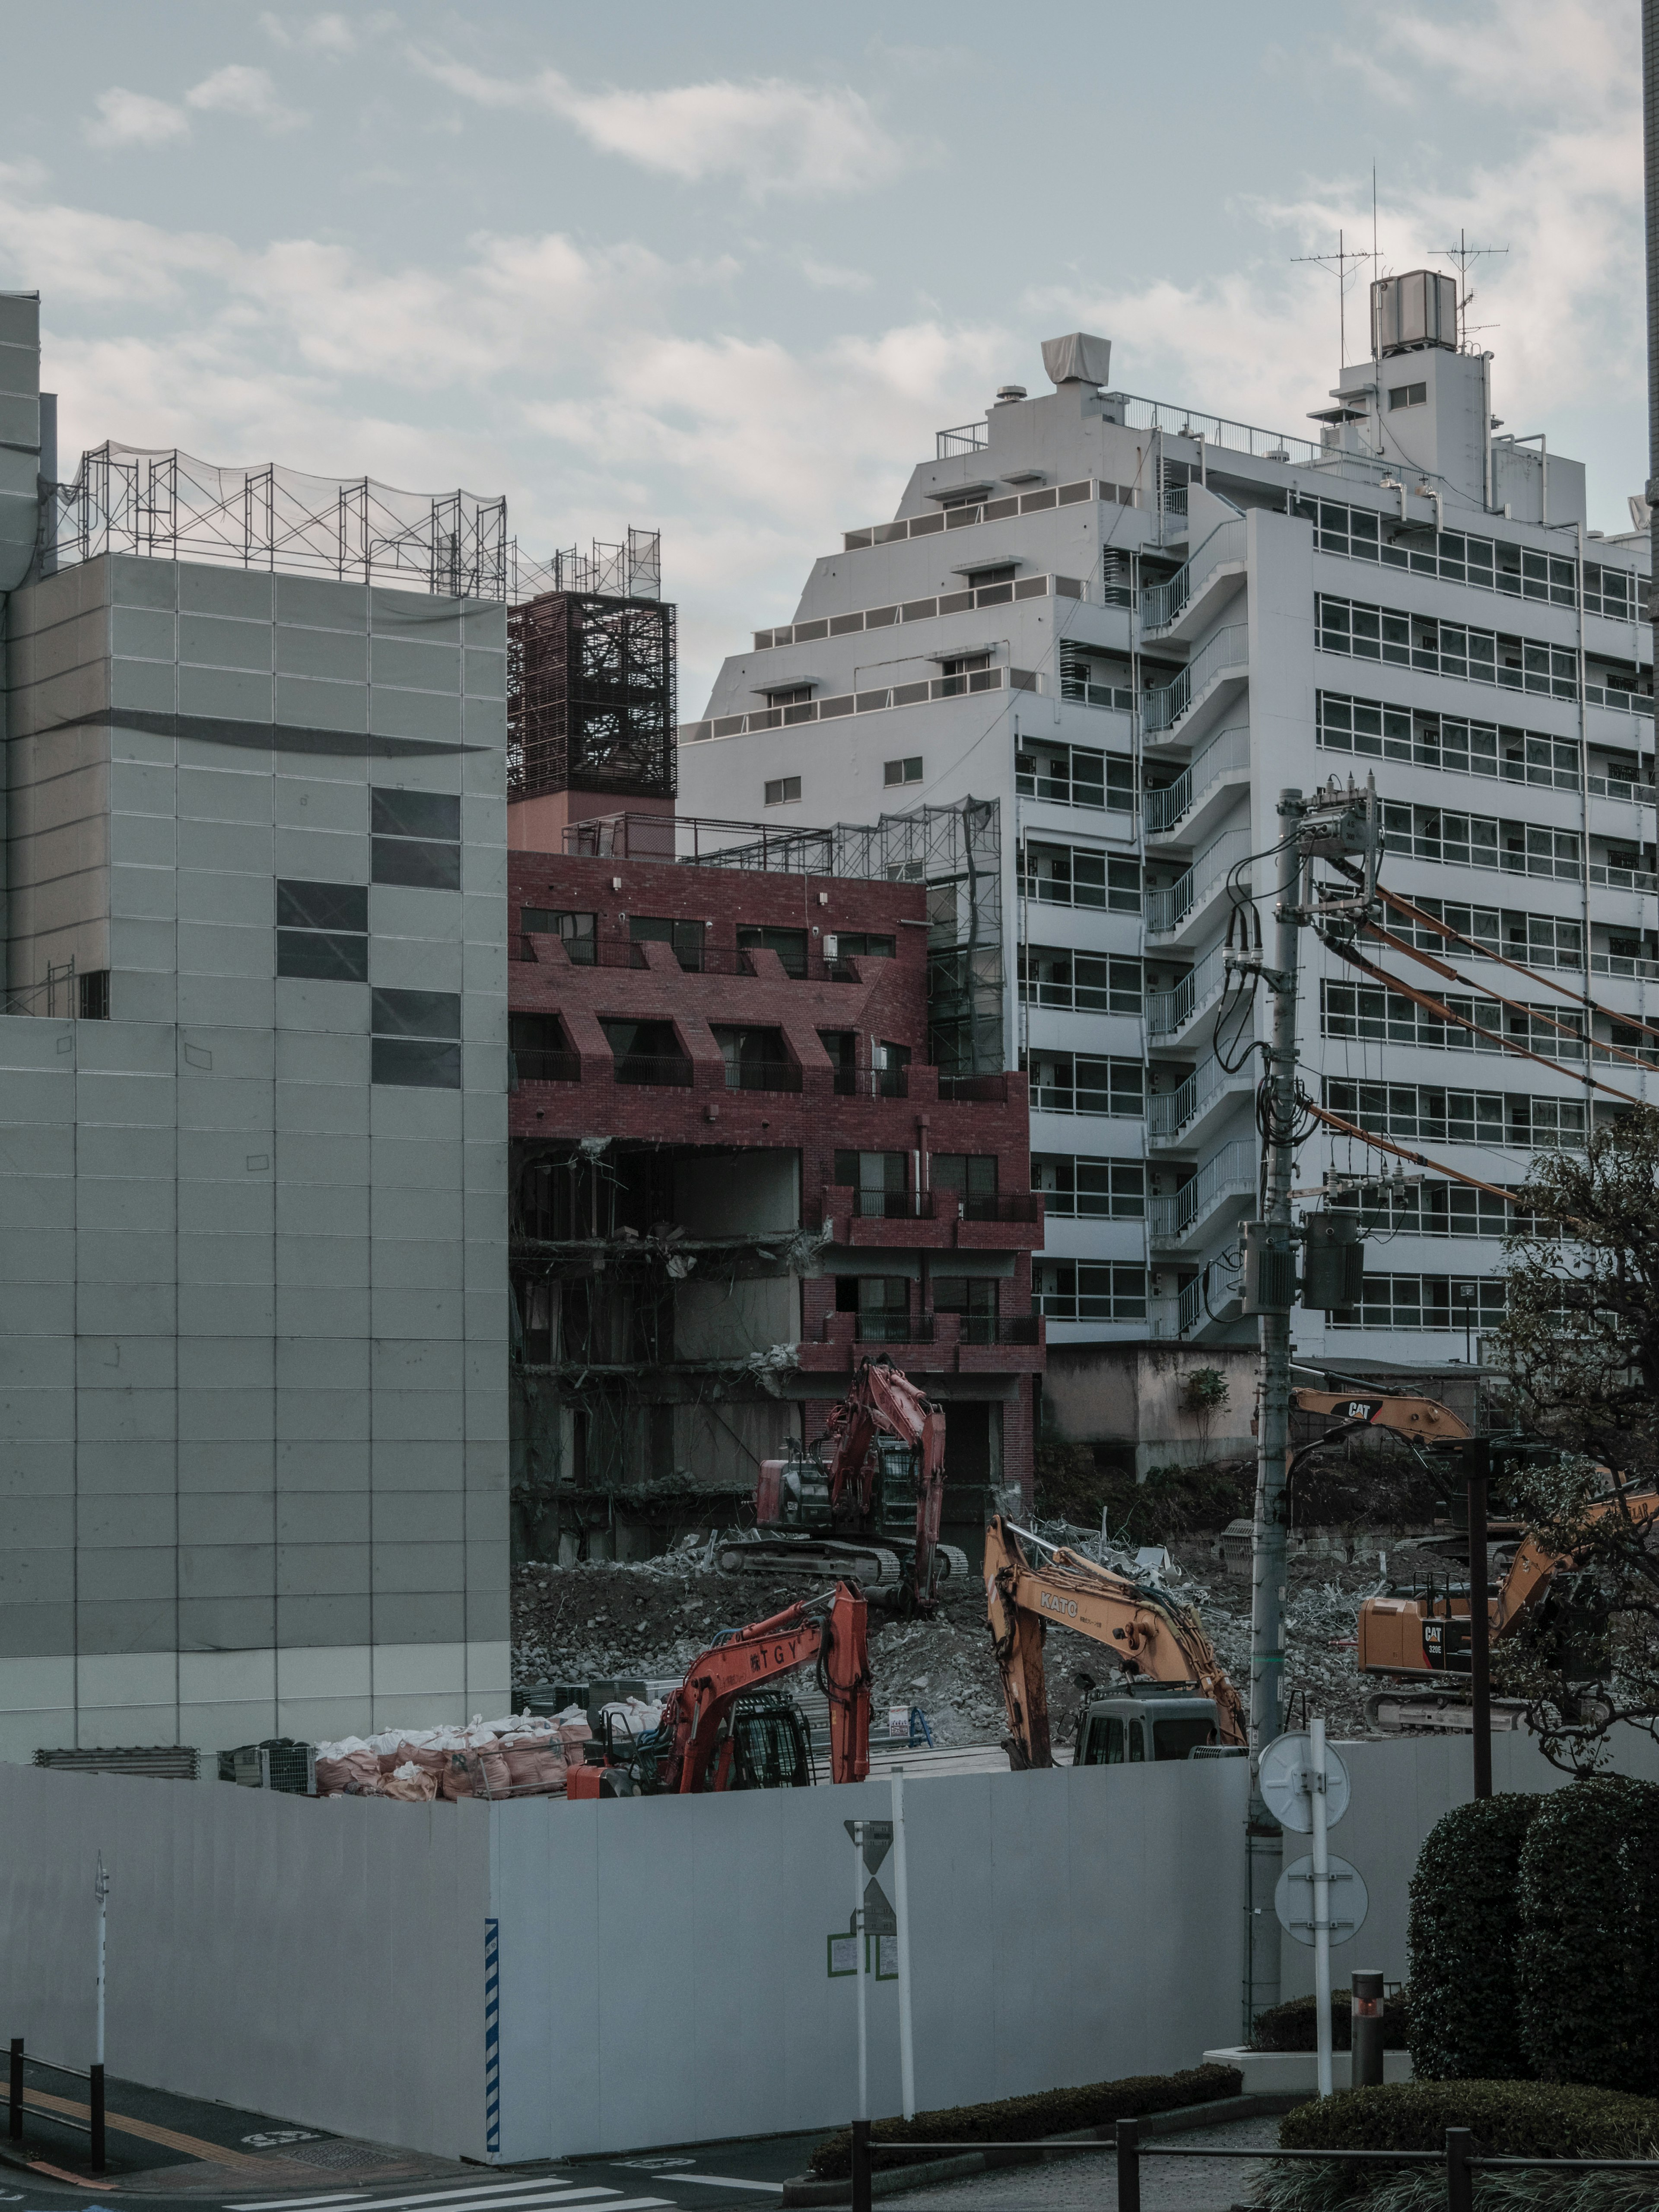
1340	263
1462	256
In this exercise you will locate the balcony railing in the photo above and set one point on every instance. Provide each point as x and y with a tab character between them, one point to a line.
972	1090
763	1075
999	1328
892	1204
1625	963
966	438
992	510
919	694
1163	604
1229	750
910	611
544	1067
1622	880
1621	787
1621	700
1170	1113
1167	1012
661	1069
998	1206
1163	707
893	1328
1168	909
1233	1169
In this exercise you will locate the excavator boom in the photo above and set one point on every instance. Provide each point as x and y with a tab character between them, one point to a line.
1144	1629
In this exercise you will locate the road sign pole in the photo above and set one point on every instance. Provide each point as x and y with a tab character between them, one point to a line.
1321	1893
857	1827
902	1908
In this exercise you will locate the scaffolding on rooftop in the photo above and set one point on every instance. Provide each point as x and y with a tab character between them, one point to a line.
591	677
171	506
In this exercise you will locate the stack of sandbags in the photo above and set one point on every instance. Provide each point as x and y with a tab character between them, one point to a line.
521	1754
351	1768
415	1785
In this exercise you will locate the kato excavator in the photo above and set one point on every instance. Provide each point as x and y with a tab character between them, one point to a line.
1178	1699
730	1725
867	1503
1414	1637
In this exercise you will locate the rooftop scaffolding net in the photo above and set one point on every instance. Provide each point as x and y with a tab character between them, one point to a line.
590	678
170	506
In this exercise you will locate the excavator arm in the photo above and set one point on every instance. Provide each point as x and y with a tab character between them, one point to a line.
1425	1421
829	1631
1144	1629
885	1400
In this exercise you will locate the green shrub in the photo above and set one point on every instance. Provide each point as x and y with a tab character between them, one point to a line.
1025	2120
1508	2119
1295	2026
1588	1951
1464	1925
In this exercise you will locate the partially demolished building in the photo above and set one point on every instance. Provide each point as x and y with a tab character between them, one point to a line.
759	1129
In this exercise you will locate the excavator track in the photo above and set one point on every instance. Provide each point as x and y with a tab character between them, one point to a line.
873	1564
1434	1712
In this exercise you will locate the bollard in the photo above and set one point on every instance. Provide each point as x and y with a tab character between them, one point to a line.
1366	2033
1128	2166
860	2166
1460	2182
97	2080
15	2086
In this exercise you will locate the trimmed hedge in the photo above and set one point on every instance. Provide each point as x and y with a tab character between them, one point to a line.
1025	2120
1508	2119
1465	1927
1587	1964
1295	2026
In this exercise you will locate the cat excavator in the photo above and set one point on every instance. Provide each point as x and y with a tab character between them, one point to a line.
1178	1699
866	1503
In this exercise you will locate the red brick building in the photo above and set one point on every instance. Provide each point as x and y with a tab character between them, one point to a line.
734	1172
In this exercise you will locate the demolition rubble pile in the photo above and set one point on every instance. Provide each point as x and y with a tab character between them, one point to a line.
523	1756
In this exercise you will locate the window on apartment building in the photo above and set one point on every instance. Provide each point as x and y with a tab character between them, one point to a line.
789	944
415	1039
93	994
842	1047
974	1299
1078	983
1090	1189
417	839
1001	572
1076	775
1069	875
1075	1083
1426	1302
787	694
783	791
882	1304
685	936
880	1179
972	1177
1068	1290
540	1049
859	944
577	933
902	771
1408	395
322	931
891	1064
964	663
756	1058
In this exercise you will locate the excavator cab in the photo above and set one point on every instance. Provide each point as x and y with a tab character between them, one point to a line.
1119	1729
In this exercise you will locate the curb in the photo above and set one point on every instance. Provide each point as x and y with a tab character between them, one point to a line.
887	2181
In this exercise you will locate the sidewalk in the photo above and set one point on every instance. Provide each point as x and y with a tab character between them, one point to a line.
1086	2181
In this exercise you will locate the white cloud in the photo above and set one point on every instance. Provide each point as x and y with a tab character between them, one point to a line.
239	90
773	136
327	33
135	118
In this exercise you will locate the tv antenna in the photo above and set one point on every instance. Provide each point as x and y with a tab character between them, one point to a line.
1463	257
1339	263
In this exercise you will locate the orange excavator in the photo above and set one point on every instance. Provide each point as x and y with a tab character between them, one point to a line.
867	1503
1178	1698
730	1725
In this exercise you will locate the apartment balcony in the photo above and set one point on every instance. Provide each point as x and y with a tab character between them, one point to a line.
1180	1120
1186	811
929	1344
1205	686
1182	608
1204	1311
933	1220
1223	1186
1181	914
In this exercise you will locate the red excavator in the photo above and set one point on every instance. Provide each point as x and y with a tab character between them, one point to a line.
875	1487
731	1726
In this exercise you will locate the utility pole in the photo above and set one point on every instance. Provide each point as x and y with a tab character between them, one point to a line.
1338	823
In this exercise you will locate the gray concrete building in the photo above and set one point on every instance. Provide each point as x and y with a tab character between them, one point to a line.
1132	624
253	1461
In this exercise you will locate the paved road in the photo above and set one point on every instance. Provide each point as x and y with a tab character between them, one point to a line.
1083	2182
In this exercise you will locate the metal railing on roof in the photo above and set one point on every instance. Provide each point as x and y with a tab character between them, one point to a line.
966	438
1137	414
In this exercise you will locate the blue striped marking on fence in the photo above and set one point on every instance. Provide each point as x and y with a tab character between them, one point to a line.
492	2037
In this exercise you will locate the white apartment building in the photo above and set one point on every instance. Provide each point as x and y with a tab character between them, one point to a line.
1134	625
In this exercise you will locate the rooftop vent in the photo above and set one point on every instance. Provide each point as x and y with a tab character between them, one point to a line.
1078	359
1007	393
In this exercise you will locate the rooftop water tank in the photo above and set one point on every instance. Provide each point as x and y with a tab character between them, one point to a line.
1415	310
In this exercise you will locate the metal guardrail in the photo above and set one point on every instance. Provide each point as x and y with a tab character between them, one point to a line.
1163	705
1167	1012
1163	604
1170	1113
909	611
919	694
1233	1169
1167	909
967	515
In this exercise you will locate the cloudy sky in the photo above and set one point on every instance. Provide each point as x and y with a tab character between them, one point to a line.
725	269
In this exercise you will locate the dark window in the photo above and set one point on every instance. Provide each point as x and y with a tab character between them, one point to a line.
972	1177
417	839
783	791
1181	1736
789	944
416	1040
908	771
863	944
322	932
841	1045
965	1294
95	995
1408	395
789	695
578	933
685	936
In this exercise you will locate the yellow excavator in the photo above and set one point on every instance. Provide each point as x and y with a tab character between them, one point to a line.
1179	1700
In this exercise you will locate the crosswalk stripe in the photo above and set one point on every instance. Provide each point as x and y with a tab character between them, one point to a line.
303	2203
